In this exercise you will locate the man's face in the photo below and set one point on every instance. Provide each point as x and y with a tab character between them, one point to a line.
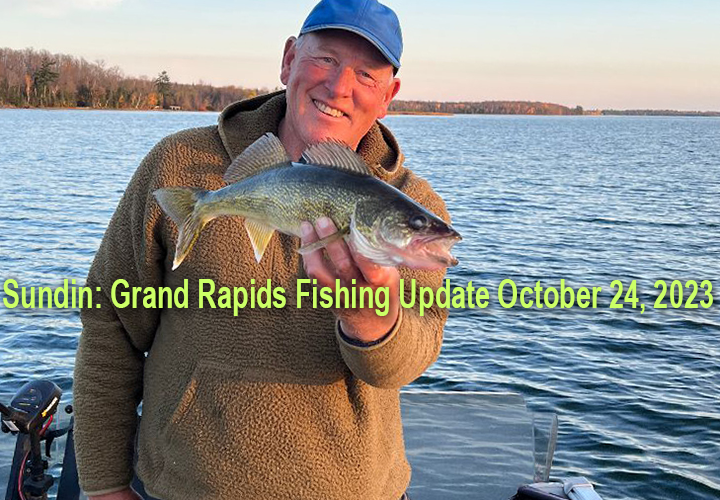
338	84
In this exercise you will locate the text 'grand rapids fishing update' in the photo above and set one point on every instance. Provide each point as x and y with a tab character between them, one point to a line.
308	295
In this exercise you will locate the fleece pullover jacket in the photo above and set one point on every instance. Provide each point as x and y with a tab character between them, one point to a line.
268	404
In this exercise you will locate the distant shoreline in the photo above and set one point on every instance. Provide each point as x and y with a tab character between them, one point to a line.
37	79
657	113
85	108
420	113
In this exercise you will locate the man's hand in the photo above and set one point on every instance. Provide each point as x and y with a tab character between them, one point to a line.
365	324
126	494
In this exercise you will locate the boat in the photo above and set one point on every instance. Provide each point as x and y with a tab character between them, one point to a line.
461	445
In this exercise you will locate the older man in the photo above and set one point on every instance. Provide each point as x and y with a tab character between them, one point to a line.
272	404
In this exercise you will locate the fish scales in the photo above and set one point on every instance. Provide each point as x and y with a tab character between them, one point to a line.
377	220
288	195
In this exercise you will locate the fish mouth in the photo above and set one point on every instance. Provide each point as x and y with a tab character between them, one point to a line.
433	251
328	110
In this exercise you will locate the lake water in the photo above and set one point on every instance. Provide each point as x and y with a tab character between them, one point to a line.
585	199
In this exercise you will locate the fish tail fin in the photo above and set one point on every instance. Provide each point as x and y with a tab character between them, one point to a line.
181	205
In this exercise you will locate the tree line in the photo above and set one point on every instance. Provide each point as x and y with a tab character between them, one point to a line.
37	78
657	112
485	108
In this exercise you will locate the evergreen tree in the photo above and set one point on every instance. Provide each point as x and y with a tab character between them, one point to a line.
42	78
164	88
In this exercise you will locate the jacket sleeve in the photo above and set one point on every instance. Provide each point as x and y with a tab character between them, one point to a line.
414	344
111	353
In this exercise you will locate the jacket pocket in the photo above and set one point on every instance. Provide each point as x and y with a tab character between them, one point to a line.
183	466
245	433
187	400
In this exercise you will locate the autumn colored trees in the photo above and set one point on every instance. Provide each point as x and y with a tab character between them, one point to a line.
486	107
32	78
37	78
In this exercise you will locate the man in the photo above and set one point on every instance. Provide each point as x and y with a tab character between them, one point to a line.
281	403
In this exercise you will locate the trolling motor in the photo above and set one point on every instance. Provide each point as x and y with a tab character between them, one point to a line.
30	413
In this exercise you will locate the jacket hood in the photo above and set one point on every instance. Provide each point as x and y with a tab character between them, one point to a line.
243	122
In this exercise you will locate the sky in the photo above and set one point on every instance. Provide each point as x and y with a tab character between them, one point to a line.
606	54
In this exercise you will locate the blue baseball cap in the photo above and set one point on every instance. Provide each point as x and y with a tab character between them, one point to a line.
370	19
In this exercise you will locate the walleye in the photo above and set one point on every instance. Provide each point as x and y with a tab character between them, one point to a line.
273	193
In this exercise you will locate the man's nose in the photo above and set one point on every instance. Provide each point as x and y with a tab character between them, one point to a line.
340	84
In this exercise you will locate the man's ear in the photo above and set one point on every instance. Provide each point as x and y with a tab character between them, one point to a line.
390	94
288	57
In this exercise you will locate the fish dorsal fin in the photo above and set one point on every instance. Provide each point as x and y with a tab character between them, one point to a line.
264	154
260	235
337	155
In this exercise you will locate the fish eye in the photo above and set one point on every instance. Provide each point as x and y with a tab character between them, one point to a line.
418	221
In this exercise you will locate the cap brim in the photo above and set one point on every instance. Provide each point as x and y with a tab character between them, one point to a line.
358	31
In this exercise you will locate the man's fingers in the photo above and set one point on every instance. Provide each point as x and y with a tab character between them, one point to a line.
338	251
374	274
314	262
307	233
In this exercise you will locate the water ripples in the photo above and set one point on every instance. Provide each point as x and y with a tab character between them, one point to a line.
584	199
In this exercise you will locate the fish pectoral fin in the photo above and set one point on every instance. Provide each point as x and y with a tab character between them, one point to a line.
259	235
323	242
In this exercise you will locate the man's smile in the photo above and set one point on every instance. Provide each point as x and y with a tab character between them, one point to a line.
324	108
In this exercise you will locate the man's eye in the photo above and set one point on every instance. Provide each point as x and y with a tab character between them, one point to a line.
326	60
366	78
